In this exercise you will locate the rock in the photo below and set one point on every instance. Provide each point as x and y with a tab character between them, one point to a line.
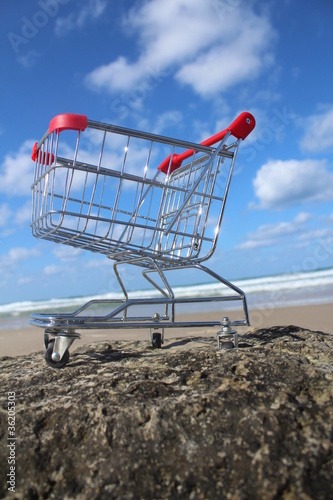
125	421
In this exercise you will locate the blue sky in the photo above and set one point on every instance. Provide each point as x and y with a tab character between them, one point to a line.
182	68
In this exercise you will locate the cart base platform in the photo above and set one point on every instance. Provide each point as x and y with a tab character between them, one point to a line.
60	330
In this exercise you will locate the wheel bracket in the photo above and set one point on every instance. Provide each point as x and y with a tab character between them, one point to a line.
61	344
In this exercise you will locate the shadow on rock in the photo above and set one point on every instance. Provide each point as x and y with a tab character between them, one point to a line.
102	357
276	332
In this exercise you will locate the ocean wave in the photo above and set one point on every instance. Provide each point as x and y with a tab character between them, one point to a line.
261	285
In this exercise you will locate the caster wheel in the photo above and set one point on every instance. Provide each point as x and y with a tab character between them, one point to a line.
157	340
227	345
48	357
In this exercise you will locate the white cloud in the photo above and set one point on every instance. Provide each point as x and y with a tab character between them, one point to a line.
16	171
51	270
282	183
6	233
21	253
270	234
92	9
209	51
29	59
15	257
66	253
23	214
5	214
316	234
239	59
319	132
24	280
167	119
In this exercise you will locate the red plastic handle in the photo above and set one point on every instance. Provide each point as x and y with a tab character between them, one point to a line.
44	159
240	128
68	121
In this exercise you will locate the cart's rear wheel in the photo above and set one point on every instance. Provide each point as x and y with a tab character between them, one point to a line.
48	357
157	340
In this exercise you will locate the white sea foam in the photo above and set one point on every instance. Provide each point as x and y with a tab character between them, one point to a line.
292	289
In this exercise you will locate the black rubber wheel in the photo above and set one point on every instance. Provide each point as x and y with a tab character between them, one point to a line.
157	340
55	364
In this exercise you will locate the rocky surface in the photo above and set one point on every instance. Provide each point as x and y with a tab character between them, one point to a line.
125	421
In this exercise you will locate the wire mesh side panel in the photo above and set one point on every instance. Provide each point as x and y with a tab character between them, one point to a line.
79	198
186	232
101	191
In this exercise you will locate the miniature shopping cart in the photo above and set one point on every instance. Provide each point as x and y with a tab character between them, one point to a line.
143	200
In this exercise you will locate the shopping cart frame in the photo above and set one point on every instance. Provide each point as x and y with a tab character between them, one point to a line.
173	239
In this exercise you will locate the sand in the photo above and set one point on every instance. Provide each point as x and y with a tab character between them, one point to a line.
315	317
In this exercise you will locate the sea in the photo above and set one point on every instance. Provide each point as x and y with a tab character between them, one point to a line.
289	289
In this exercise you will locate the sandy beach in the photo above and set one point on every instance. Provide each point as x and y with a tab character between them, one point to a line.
16	342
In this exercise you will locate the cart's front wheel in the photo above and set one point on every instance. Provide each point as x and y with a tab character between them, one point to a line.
48	357
157	340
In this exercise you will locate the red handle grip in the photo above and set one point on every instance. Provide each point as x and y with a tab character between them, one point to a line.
240	128
66	121
44	159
